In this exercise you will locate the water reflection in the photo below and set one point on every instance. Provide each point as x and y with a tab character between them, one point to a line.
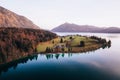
14	64
56	56
5	68
106	46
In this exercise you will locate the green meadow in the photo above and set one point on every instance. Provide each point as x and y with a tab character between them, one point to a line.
72	41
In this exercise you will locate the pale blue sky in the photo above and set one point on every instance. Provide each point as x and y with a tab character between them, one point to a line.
51	13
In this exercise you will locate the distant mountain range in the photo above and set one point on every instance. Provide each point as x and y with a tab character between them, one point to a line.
11	19
68	27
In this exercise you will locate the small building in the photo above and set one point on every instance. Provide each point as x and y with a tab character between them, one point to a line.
58	48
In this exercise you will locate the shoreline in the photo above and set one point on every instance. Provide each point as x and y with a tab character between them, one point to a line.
90	44
72	44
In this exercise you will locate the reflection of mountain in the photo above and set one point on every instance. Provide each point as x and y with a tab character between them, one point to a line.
67	27
14	64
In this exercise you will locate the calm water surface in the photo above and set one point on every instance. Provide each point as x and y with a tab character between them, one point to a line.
102	64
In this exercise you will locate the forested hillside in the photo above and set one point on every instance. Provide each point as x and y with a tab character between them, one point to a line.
18	42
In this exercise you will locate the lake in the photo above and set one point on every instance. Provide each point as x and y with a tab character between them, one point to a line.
101	64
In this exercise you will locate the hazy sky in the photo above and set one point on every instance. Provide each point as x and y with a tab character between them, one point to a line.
51	13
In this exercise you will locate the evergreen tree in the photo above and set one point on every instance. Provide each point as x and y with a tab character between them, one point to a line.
61	40
82	44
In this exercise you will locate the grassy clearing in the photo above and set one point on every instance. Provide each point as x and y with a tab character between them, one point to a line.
43	45
74	42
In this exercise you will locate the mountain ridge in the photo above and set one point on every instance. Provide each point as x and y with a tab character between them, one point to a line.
68	27
11	19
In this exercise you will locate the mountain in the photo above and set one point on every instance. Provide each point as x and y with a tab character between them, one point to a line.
111	30
68	27
19	37
11	19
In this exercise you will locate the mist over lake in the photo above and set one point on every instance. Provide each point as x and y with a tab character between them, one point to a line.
101	64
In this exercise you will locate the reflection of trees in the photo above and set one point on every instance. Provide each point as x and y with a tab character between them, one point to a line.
70	54
104	46
108	45
14	64
49	56
63	54
56	56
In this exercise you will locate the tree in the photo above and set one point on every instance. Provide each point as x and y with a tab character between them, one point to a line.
63	49
109	42
70	37
48	49
53	42
61	40
82	44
